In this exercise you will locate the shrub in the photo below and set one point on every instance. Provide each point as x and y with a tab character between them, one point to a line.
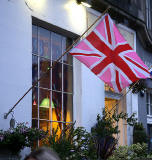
77	143
104	130
139	134
135	151
15	139
72	143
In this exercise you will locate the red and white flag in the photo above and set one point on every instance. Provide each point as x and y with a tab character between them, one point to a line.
108	55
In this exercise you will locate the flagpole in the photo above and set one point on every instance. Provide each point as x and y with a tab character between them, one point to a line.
122	96
67	50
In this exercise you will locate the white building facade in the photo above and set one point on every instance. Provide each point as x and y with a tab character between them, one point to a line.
84	95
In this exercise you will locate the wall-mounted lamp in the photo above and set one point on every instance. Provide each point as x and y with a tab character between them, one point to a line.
86	3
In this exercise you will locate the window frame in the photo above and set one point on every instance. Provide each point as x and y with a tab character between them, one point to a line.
149	103
67	34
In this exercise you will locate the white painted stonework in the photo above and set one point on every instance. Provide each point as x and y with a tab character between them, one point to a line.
16	59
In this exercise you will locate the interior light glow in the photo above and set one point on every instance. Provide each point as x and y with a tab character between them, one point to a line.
76	16
36	5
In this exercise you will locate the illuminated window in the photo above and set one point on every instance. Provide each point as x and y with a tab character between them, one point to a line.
108	88
52	98
110	105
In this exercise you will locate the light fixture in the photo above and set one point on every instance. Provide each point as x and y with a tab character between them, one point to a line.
46	103
86	3
34	102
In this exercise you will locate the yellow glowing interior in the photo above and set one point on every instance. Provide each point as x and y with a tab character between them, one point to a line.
109	104
68	117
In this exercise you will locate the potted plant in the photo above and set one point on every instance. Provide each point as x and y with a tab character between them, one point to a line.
13	140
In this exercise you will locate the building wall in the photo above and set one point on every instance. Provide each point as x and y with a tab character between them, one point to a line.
147	58
15	61
145	55
16	58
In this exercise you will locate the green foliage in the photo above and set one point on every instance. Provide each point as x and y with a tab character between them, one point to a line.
139	134
15	139
105	129
135	151
138	86
77	143
72	143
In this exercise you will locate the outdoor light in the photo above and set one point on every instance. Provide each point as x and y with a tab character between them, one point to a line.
46	103
35	5
86	3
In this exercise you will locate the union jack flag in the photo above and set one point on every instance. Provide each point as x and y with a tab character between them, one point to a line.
108	55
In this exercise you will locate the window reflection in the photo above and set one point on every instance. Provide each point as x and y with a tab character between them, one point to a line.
45	64
68	78
35	103
57	110
67	107
57	77
34	40
67	58
35	123
34	69
44	43
56	46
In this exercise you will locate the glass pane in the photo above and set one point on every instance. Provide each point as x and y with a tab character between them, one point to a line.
44	43
34	123
147	98
56	126
56	46
34	103
56	106
68	78
57	77
68	107
45	125
45	64
34	40
110	105
44	104
148	109
151	99
67	57
34	69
